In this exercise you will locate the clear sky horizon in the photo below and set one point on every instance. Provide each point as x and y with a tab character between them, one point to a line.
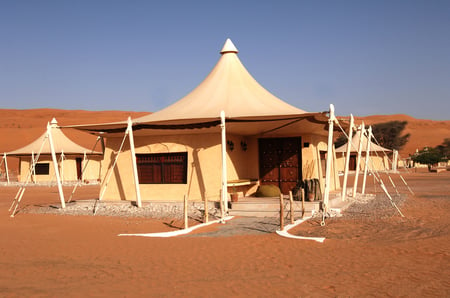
365	57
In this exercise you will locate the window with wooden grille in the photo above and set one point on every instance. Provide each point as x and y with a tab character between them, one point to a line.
42	168
162	168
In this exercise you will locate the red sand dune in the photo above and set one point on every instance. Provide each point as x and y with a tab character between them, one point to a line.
424	133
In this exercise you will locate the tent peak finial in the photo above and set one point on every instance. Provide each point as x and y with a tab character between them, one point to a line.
54	123
229	47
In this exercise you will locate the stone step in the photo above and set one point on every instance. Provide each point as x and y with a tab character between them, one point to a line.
273	206
269	207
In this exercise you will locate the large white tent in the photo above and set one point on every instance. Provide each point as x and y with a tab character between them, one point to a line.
249	108
228	107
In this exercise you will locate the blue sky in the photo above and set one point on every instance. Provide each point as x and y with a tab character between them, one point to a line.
365	57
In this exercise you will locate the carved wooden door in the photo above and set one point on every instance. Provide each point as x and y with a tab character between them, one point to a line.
280	162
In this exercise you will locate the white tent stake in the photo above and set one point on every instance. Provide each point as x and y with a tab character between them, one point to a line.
390	198
383	187
410	190
395	159
347	159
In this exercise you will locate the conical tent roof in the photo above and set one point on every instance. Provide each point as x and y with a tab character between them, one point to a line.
355	145
229	87
61	142
249	108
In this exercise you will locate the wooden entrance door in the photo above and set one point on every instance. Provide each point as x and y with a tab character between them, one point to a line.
352	163
79	168
280	161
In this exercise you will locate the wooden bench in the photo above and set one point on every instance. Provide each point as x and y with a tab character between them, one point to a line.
241	186
242	182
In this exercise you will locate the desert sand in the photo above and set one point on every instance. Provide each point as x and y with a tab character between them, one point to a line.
364	254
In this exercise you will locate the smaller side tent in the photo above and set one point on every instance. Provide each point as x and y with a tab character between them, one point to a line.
75	162
378	160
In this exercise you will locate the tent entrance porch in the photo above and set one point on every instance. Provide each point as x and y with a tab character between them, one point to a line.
280	161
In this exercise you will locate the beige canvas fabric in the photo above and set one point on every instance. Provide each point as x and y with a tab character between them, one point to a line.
229	87
61	142
355	145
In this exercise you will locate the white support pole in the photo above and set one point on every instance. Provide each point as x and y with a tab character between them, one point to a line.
83	166
331	120
366	166
55	165
394	160
335	175
62	166
358	160
100	168
33	173
347	158
6	167
134	164
224	192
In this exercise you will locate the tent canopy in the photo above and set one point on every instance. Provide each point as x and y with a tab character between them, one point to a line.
228	87
355	145
249	108
61	142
